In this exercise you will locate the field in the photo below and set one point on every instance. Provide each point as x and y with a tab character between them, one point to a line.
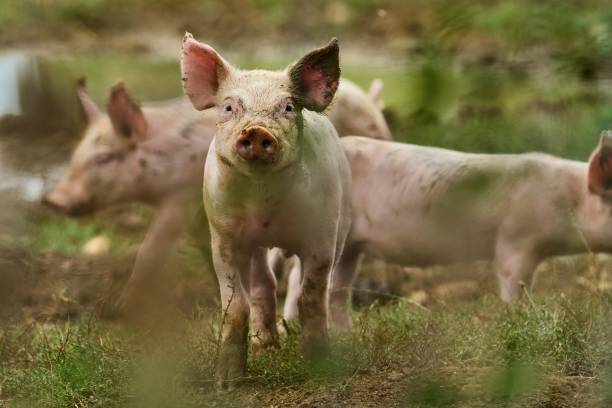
475	76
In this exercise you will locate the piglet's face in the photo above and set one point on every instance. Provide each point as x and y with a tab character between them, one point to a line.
260	112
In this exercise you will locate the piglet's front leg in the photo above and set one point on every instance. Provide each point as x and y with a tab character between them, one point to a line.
230	263
263	302
158	244
313	305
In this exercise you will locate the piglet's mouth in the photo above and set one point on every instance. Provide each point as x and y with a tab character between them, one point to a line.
78	209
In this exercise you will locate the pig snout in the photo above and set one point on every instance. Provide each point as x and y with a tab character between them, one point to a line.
55	200
257	144
60	202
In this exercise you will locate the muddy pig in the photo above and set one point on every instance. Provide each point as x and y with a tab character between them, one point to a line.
275	176
422	206
155	154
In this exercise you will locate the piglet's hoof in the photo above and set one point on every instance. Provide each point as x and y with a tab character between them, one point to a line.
267	340
231	366
284	328
114	309
127	303
341	322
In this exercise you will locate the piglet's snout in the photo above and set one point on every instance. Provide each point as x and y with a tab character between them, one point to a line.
257	144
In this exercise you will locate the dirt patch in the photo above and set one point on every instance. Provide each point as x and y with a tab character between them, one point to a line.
51	287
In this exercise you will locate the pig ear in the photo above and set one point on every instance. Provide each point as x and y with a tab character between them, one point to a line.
89	107
125	114
202	70
375	92
600	165
315	77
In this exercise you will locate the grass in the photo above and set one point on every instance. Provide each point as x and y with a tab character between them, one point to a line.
537	355
69	364
67	236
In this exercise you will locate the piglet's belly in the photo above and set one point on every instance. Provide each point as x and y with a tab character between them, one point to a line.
411	247
271	230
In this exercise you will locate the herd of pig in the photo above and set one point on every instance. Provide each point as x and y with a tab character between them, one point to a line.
278	182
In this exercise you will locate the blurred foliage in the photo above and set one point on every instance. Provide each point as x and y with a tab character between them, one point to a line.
478	354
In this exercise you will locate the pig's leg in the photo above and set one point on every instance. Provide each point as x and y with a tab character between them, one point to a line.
342	287
263	302
313	304
230	262
294	290
164	232
201	233
514	267
276	262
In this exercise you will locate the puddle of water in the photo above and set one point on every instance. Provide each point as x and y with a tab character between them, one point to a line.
12	67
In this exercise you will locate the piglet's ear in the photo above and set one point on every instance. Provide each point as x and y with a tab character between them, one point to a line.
600	166
202	70
375	92
125	114
376	88
315	77
88	106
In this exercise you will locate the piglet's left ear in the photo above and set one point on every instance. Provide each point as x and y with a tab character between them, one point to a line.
315	77
600	165
88	106
125	114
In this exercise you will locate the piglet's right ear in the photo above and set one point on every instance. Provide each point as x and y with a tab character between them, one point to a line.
202	70
88	106
600	165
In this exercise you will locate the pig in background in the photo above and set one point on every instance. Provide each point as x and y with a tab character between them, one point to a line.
422	206
151	155
155	155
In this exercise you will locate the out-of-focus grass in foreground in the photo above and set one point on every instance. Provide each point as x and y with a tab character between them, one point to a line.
552	352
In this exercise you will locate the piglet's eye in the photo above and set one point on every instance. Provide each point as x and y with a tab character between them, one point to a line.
287	107
104	158
228	109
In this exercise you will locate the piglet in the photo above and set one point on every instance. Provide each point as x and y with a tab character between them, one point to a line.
422	206
275	176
